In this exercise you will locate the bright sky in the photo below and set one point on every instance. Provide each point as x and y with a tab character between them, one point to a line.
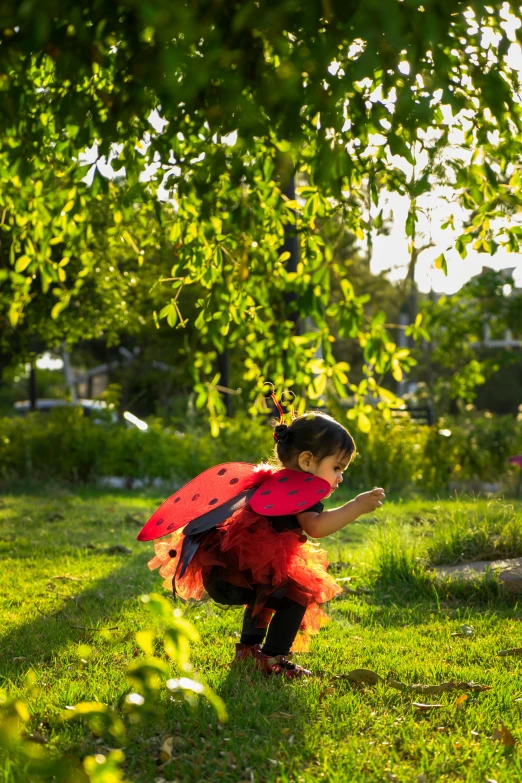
391	252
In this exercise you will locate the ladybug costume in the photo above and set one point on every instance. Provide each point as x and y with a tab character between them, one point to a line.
234	534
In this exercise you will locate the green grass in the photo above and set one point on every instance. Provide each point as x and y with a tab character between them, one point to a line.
55	588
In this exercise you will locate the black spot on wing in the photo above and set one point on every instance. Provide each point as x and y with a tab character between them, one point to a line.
218	513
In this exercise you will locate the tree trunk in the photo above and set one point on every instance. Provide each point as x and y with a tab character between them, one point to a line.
32	385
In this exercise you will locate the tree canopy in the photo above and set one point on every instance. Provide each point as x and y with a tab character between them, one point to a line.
207	110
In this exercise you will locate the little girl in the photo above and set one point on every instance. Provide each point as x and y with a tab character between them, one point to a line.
266	563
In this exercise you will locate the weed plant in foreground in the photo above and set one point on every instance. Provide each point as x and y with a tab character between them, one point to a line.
67	584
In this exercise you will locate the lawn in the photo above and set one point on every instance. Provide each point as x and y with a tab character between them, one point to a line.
69	603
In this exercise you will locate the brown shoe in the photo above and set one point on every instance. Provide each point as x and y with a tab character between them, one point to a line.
279	664
245	651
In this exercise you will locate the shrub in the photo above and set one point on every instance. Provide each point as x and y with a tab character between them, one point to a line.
397	454
65	446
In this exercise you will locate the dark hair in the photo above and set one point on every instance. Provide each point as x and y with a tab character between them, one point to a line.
315	432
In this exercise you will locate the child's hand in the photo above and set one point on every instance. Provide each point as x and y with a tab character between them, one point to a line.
369	501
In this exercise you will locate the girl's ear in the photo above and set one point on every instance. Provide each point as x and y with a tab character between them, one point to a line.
305	460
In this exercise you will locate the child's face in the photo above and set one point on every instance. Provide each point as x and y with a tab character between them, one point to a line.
330	468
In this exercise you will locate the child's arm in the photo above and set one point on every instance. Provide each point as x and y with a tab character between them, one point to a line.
328	522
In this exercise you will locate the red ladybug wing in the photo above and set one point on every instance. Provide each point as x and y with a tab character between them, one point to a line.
207	491
288	492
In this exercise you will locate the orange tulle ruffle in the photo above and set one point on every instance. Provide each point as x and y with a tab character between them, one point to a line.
250	553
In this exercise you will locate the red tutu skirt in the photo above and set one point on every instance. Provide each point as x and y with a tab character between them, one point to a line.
251	554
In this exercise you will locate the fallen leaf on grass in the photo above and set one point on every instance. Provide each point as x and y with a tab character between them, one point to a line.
66	576
361	676
425	707
465	630
166	749
504	736
369	677
452	685
280	715
459	704
511	651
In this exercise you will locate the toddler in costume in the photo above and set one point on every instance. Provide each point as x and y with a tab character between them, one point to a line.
247	551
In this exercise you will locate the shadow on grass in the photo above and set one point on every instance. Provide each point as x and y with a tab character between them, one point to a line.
399	605
268	718
98	605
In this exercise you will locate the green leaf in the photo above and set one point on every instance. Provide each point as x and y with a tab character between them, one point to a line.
410	222
172	316
440	263
22	263
399	147
363	422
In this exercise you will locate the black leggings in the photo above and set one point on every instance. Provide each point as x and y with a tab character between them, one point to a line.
282	630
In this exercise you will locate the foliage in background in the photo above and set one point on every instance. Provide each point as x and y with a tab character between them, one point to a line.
244	99
456	362
20	751
396	452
